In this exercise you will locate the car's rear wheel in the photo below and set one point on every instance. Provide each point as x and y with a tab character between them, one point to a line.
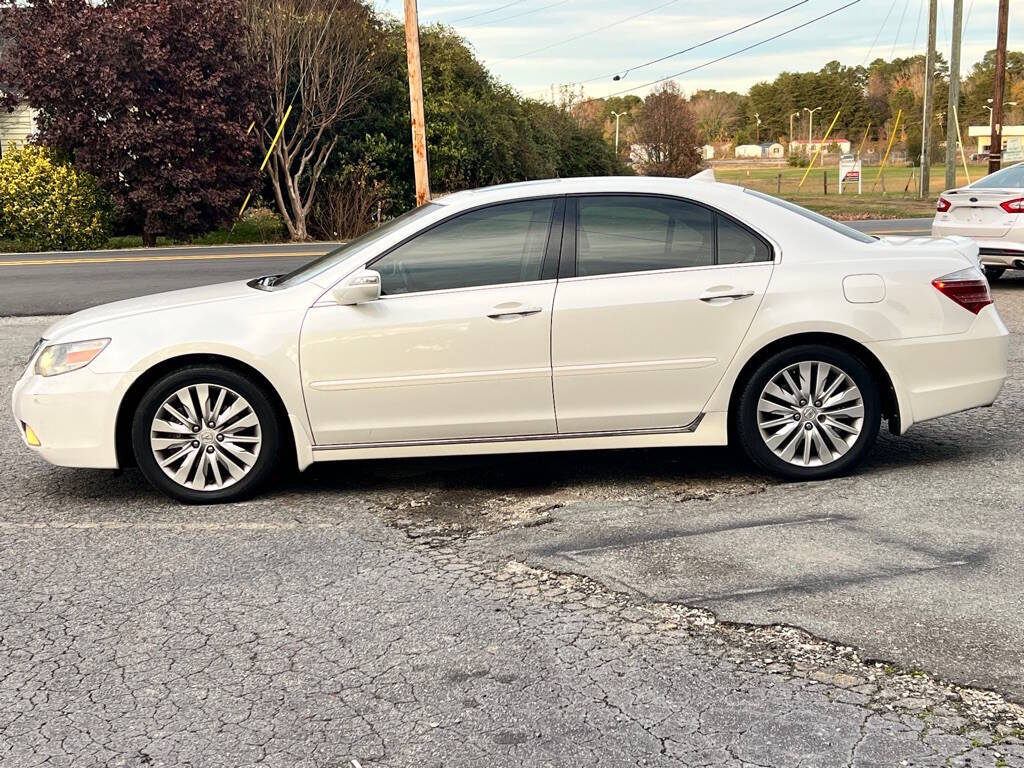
809	413
206	434
994	273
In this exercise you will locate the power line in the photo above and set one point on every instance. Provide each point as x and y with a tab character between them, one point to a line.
486	13
587	33
896	40
503	19
698	45
730	55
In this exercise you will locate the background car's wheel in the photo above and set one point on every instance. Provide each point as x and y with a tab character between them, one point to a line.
994	273
205	434
809	413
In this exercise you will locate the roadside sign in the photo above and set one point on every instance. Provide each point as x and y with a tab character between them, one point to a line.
1014	151
849	173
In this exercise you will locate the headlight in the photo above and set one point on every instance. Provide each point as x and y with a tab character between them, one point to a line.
63	358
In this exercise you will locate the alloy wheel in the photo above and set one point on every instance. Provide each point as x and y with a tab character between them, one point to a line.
810	414
206	437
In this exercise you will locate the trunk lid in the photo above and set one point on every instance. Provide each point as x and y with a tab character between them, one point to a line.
976	212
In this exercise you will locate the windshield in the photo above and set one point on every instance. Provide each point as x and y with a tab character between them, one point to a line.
825	221
1008	177
338	255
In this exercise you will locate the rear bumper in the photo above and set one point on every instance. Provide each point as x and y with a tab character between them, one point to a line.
939	375
994	252
73	415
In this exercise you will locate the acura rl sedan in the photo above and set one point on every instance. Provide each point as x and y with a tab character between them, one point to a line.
991	210
544	316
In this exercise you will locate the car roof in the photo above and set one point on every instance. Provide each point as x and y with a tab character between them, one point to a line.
701	190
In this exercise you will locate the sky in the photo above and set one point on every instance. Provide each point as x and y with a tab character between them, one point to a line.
534	44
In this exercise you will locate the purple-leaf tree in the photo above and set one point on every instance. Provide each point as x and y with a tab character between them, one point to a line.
153	97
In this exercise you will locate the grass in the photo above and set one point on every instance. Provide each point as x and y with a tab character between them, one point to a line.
898	199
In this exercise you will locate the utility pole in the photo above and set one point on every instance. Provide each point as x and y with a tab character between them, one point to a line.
419	123
757	116
929	99
791	116
953	113
995	150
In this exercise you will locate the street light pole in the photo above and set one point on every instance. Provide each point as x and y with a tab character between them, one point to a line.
617	116
810	124
757	116
791	116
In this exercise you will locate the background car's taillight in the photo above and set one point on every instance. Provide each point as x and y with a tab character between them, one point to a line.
968	288
943	205
1013	206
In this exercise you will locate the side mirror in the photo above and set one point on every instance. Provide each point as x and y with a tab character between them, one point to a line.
359	288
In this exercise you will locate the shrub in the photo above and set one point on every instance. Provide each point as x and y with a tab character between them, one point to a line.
47	204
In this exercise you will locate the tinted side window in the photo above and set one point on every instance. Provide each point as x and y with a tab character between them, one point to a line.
491	246
738	246
637	234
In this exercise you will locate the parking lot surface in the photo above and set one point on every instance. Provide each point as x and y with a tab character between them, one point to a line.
617	608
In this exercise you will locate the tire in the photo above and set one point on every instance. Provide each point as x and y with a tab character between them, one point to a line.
206	465
828	430
994	273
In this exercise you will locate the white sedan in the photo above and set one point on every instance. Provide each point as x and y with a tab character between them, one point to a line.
991	210
543	316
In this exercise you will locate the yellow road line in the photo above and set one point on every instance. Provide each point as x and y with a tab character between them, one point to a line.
142	259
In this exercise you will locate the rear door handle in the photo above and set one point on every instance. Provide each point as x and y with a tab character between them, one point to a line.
515	312
710	297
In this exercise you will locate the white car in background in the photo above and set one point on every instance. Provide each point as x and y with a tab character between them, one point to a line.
991	211
555	315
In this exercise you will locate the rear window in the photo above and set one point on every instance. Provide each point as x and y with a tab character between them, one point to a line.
825	221
1007	178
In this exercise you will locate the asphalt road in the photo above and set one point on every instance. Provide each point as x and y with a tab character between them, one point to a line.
60	283
368	614
610	608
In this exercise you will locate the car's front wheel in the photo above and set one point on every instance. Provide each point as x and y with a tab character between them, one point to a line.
809	413
205	434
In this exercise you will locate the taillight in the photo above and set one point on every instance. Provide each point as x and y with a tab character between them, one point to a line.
943	205
968	288
1013	206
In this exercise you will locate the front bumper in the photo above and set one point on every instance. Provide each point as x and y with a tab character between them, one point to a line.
73	415
939	375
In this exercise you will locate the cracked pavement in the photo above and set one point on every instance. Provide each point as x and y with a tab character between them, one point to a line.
583	609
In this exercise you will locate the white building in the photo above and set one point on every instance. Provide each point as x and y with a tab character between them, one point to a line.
834	143
707	152
748	150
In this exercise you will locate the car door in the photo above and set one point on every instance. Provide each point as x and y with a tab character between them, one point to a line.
458	345
661	293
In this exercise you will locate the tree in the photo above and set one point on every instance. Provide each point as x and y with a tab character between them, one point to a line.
666	135
716	113
151	97
319	59
479	131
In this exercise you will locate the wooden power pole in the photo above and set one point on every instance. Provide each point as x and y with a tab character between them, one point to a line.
929	99
419	123
995	150
953	110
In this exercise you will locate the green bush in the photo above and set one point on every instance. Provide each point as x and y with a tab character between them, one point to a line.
46	204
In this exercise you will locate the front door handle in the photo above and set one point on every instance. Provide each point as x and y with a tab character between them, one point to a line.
500	314
710	297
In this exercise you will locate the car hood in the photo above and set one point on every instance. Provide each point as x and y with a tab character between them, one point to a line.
81	321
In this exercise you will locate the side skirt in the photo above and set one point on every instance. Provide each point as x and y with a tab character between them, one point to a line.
708	430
